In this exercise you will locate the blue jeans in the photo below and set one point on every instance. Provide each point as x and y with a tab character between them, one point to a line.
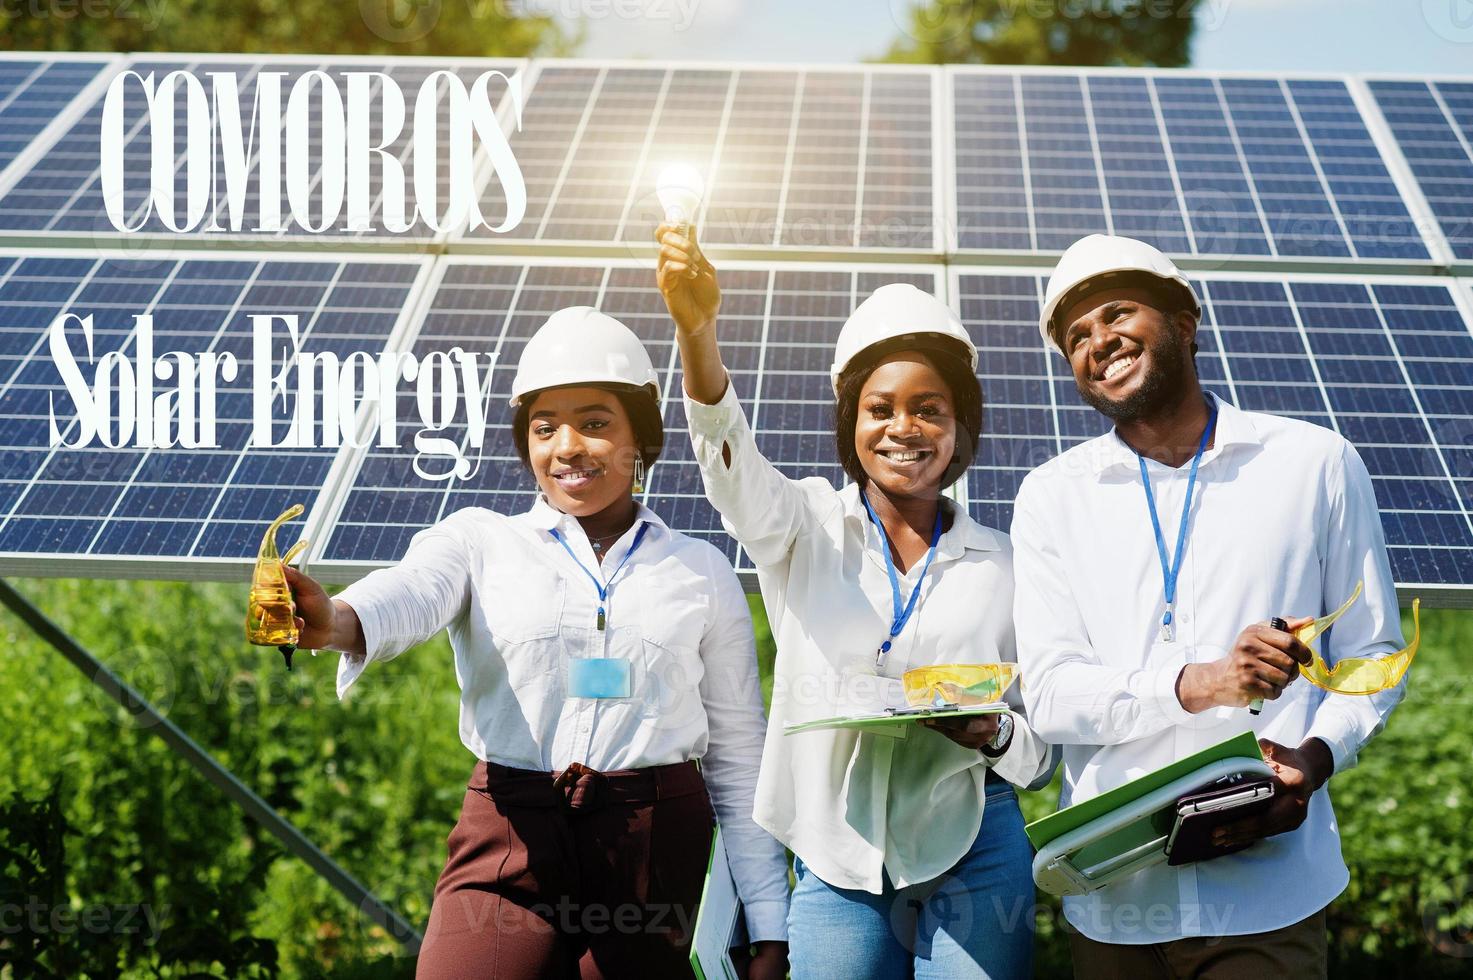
974	921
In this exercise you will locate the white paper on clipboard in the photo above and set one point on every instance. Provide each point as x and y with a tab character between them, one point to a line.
719	925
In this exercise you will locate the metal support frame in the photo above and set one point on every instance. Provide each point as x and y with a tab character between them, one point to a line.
207	766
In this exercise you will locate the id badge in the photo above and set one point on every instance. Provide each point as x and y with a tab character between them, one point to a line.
599	677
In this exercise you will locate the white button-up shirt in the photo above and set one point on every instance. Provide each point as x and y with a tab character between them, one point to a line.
519	610
1283	523
853	805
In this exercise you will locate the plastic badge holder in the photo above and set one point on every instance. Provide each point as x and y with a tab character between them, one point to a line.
1125	830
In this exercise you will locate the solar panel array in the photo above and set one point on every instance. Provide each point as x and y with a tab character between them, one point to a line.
34	90
1433	124
1326	220
808	159
1197	164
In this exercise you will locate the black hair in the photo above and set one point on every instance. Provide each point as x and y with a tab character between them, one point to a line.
638	403
952	362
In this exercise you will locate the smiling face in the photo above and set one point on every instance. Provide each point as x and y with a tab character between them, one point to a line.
581	447
905	434
1129	358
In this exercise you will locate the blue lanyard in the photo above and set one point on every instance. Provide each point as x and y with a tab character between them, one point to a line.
901	613
603	590
1170	570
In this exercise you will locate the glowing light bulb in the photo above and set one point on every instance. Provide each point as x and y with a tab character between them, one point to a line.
679	189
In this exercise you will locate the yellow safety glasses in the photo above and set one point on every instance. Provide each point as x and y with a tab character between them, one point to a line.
270	615
961	684
1357	675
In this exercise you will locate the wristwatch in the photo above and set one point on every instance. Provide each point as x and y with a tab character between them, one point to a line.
1004	737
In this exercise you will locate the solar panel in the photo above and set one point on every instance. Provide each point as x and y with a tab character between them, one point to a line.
61	195
778	330
139	508
1433	125
35	88
815	159
1196	164
1388	363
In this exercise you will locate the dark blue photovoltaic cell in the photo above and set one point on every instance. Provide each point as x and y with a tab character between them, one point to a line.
33	92
1433	125
168	502
778	329
1193	164
809	159
1390	365
62	193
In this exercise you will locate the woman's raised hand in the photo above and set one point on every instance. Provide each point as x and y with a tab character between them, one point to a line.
686	280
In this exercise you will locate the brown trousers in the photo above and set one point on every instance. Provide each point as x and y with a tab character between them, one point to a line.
578	874
1300	951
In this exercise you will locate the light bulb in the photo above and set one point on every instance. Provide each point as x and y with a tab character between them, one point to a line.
679	189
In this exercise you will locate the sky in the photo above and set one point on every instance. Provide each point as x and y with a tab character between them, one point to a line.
1417	36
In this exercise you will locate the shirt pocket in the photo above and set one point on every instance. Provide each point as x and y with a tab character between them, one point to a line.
668	668
523	612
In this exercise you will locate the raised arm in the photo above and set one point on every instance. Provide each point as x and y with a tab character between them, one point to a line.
760	507
391	609
688	283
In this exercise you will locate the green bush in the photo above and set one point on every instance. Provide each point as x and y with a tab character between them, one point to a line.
99	815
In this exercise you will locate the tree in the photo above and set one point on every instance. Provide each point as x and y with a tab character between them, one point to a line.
459	28
1047	32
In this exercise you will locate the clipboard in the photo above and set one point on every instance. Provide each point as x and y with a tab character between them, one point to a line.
1084	847
895	718
719	925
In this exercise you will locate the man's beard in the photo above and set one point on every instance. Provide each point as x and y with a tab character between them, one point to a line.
1159	389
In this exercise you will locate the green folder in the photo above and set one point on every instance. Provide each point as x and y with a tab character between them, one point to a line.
892	718
719	926
1040	832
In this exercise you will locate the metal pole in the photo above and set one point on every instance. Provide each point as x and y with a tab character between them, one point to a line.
204	763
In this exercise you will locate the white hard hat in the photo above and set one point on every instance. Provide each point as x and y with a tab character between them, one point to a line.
581	346
1091	263
895	312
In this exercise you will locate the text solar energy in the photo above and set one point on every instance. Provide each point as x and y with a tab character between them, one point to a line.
180	507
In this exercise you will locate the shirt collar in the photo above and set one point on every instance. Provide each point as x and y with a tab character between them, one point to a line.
544	516
964	534
1234	427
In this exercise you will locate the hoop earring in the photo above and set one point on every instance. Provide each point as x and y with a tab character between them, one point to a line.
638	475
